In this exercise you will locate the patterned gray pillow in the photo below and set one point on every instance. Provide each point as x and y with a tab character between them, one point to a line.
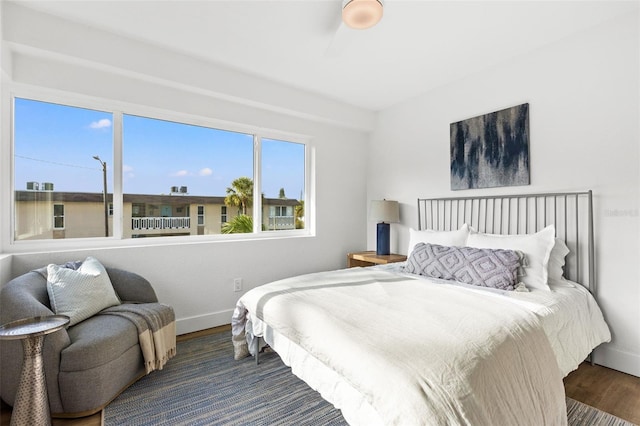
495	268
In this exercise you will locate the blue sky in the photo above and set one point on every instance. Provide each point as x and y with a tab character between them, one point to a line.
55	143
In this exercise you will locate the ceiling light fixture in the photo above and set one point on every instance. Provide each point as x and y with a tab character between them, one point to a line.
362	14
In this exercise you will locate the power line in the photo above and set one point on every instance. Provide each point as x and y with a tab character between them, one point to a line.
56	163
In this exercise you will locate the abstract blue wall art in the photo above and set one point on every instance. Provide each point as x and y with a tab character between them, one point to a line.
491	150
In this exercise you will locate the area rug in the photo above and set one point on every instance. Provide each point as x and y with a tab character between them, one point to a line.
203	385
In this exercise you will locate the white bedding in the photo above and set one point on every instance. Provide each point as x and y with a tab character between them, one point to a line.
391	348
570	317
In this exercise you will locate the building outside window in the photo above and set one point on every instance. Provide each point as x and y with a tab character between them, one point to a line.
282	217
64	153
283	161
178	165
56	144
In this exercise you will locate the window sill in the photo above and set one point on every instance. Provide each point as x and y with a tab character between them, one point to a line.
111	242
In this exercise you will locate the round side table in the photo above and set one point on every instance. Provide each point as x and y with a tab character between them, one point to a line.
31	406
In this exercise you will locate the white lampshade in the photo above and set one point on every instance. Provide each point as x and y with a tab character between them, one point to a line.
362	14
387	211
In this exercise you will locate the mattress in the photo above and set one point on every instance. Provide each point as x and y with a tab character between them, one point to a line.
489	380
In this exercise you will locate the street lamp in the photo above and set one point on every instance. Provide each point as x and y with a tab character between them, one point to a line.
106	206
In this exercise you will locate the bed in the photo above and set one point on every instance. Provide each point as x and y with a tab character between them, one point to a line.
425	342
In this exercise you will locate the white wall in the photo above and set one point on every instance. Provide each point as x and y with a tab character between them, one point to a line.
583	94
195	278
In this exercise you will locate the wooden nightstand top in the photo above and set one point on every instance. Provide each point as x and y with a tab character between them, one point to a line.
369	258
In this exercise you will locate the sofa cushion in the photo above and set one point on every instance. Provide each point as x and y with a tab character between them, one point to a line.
96	341
92	389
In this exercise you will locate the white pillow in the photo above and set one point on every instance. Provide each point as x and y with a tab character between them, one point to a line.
536	247
81	293
443	238
556	261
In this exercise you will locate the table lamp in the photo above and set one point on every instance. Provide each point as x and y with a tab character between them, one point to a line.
384	212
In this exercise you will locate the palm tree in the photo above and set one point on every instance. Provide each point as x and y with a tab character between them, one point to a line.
241	224
240	194
299	215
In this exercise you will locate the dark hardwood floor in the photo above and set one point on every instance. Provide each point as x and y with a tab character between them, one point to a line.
606	389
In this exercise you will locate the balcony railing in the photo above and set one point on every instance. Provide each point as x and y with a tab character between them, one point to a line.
146	223
281	222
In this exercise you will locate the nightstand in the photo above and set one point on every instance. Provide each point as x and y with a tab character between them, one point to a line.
370	258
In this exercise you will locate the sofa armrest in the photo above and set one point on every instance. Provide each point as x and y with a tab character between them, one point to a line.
25	297
131	287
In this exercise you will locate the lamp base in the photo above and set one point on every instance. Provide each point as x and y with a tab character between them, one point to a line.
383	245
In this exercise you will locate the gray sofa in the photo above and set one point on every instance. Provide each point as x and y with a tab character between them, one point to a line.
87	365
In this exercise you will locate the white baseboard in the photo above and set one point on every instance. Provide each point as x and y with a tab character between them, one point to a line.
617	359
202	322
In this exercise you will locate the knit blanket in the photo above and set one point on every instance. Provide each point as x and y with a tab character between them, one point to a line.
156	330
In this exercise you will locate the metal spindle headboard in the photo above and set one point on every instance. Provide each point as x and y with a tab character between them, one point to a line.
570	212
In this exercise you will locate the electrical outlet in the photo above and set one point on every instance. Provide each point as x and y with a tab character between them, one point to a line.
237	284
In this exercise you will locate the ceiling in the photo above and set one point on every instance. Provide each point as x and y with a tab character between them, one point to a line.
417	46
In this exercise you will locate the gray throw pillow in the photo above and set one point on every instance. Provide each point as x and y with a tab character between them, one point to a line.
495	268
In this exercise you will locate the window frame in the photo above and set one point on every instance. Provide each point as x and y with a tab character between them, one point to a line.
118	109
55	216
224	214
200	217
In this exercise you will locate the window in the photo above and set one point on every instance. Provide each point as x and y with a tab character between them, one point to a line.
223	214
58	216
177	165
200	215
169	169
138	210
283	184
59	147
282	211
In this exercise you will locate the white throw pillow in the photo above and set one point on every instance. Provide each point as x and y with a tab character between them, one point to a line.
81	293
536	247
443	238
556	261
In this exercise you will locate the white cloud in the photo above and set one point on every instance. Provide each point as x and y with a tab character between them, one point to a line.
127	171
205	172
180	173
100	124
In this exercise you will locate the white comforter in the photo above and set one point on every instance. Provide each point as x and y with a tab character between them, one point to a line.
400	350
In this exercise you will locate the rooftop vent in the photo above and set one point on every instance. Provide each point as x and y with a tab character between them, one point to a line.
33	186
